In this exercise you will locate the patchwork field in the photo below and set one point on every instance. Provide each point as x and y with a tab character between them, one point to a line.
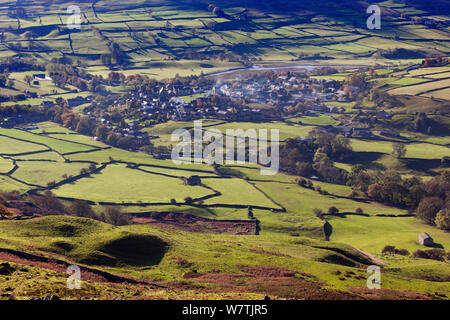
161	230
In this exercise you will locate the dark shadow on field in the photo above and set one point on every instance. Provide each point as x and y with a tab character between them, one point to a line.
436	246
421	164
366	158
133	250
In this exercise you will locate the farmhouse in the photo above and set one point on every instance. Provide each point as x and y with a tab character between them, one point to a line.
41	77
425	239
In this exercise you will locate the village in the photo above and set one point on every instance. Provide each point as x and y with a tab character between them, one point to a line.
259	98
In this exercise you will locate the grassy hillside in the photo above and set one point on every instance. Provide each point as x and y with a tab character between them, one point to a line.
168	256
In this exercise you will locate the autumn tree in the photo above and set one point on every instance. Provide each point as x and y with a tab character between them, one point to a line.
4	211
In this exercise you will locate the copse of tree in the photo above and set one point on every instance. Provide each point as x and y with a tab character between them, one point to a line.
49	202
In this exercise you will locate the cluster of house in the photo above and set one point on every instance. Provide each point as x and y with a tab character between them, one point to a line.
132	130
266	99
285	90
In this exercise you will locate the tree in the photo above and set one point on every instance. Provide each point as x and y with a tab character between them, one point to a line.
428	209
218	11
116	217
442	219
102	133
80	208
49	202
359	210
28	79
333	210
398	150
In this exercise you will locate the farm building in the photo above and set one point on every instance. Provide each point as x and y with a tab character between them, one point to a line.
192	181
425	239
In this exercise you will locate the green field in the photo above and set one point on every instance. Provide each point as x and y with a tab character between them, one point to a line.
236	234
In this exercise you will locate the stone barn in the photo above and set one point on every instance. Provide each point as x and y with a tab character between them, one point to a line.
192	181
425	239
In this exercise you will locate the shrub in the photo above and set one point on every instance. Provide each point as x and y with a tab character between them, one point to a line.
388	249
333	210
435	254
402	252
301	182
442	219
359	210
393	250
